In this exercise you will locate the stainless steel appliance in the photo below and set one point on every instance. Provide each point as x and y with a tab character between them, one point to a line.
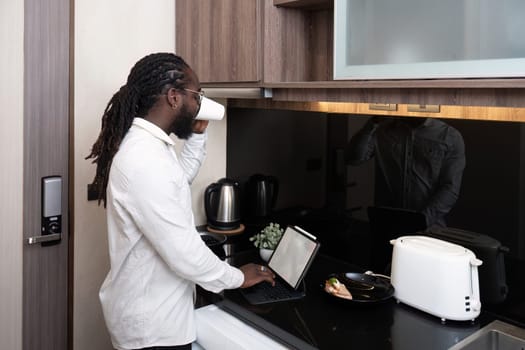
222	205
261	195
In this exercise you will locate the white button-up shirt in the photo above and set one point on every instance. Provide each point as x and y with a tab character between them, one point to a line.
156	254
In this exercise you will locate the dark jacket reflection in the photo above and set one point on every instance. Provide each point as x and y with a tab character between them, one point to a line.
419	163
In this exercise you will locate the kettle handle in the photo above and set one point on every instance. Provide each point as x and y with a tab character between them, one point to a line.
274	184
208	200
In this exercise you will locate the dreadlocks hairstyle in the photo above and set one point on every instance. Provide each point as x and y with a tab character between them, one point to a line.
152	76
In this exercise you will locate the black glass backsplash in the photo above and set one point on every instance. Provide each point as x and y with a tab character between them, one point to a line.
308	153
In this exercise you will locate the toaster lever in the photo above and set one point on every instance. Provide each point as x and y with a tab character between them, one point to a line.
475	305
475	262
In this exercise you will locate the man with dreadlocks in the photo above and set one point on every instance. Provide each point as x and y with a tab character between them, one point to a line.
156	254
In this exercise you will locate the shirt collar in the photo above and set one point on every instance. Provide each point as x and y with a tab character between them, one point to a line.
153	130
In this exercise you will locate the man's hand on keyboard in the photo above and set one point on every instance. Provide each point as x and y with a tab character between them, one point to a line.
254	273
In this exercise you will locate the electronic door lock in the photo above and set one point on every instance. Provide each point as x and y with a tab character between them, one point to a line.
51	221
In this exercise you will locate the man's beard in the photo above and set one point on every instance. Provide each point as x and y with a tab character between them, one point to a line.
183	125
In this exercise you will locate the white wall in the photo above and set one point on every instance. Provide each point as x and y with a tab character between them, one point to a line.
110	36
11	158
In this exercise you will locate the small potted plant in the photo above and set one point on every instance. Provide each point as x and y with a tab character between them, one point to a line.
267	240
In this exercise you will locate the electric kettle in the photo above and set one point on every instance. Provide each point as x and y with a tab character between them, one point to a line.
261	192
221	204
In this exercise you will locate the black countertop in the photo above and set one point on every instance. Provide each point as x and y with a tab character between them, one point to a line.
319	321
323	322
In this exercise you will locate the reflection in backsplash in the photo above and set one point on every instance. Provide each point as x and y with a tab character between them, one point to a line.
419	163
290	147
306	152
320	191
492	196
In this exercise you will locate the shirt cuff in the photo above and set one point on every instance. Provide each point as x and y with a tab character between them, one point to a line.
238	277
198	137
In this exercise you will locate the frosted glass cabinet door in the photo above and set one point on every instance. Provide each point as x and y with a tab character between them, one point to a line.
418	39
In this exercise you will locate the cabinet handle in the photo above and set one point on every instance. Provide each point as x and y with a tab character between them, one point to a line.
423	108
383	106
44	238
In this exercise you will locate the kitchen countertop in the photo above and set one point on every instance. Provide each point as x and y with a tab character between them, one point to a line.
319	321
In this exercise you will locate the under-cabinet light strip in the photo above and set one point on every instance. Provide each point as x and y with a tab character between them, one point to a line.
514	114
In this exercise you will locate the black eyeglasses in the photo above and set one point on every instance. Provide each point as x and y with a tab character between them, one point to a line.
200	93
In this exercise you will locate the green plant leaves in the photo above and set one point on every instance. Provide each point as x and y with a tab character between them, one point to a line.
268	237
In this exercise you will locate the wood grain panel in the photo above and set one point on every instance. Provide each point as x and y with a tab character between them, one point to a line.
446	111
297	44
465	97
321	46
305	3
46	117
285	44
220	39
511	83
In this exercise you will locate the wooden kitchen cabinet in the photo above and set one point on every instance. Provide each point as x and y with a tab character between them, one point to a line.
304	3
254	42
287	46
479	39
220	40
297	44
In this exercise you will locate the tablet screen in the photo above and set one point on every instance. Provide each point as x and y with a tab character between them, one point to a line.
293	255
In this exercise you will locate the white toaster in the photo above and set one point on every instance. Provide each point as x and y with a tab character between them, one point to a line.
436	276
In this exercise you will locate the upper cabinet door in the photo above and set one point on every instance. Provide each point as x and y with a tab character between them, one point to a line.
220	40
418	39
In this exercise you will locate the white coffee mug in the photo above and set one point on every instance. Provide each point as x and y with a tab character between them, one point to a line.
210	110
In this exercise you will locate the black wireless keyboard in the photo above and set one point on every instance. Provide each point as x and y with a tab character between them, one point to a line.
264	293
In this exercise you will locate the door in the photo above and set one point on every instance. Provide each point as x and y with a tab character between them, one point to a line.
46	133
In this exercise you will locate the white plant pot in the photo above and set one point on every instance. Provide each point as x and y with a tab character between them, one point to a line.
265	253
